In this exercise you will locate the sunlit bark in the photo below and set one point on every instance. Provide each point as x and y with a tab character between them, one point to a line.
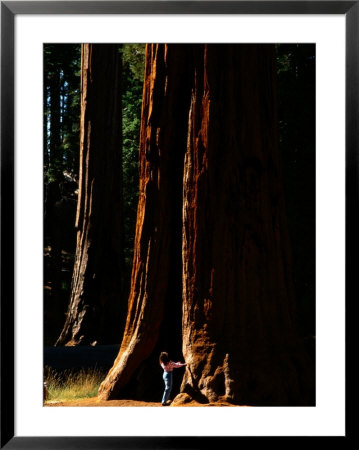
94	313
209	128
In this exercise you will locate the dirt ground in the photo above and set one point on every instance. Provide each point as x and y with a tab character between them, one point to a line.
96	402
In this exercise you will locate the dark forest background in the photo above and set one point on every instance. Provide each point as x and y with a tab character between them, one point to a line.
296	100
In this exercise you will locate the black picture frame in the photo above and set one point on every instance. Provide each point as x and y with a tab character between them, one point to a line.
9	9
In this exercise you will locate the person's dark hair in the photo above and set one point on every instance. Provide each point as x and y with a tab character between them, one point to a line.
164	358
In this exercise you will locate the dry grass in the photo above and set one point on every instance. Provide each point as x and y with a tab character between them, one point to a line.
72	385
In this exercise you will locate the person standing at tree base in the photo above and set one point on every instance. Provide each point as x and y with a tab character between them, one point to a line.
168	366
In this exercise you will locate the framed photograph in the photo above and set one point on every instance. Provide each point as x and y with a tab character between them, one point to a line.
273	224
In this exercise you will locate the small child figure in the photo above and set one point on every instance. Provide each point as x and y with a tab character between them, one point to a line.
168	366
45	391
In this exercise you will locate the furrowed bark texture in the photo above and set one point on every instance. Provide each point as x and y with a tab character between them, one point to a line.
95	306
238	320
157	253
219	146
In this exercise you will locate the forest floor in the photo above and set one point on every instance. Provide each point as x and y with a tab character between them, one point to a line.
100	357
96	402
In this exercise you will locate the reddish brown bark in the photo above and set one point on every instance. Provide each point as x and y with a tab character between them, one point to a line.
162	144
238	325
239	320
95	306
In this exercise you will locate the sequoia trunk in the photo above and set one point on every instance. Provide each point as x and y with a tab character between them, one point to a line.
94	313
156	273
209	128
239	319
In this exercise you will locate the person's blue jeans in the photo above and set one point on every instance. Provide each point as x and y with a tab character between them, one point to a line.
167	378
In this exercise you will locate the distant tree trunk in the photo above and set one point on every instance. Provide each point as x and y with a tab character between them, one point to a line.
238	324
95	306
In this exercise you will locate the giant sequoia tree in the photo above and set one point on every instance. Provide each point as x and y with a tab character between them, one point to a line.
95	305
212	270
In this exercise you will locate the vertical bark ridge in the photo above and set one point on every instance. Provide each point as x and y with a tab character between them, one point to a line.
95	306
